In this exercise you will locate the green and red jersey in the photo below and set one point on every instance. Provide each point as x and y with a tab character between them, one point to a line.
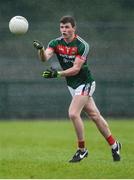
66	54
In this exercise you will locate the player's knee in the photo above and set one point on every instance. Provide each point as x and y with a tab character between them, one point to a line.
73	115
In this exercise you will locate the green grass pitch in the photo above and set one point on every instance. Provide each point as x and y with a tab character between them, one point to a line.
41	149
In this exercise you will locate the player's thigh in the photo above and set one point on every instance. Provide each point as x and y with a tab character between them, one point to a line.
77	103
91	108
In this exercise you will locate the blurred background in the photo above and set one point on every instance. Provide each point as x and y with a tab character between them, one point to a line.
107	25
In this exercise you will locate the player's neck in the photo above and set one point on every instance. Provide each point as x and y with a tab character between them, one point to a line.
70	39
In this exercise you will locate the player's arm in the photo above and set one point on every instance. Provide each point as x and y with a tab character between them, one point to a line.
74	70
44	55
53	73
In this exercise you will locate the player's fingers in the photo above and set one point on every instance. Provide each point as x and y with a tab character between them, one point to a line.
46	74
36	41
35	44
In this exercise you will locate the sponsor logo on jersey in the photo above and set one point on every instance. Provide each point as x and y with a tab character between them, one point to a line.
61	49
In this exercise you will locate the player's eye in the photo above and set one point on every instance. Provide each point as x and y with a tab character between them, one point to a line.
66	27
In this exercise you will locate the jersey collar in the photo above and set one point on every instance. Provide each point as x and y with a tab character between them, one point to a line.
75	36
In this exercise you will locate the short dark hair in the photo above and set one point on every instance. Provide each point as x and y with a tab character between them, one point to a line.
68	19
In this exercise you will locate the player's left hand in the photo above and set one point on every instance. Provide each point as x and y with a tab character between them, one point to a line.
51	73
38	45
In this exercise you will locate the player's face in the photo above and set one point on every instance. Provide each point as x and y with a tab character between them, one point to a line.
67	30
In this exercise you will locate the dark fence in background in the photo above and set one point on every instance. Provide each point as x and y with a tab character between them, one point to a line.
50	99
29	99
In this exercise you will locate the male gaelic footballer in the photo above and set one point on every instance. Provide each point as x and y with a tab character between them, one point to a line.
72	52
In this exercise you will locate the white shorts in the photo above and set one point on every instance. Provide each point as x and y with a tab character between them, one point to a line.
84	89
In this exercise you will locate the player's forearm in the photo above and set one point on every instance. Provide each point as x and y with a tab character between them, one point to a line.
42	54
69	72
52	73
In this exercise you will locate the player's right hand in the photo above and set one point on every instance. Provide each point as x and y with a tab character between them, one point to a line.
51	73
38	45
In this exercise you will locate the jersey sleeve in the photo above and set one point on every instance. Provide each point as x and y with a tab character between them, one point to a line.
52	44
83	51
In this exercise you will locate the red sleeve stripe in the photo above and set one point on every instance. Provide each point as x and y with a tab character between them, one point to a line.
50	48
81	57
